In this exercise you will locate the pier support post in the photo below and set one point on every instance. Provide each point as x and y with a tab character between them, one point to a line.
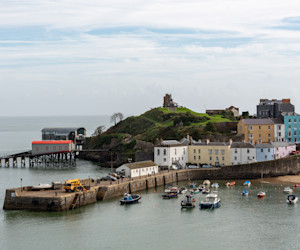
155	181
146	184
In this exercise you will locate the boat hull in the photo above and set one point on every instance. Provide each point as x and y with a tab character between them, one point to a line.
135	199
210	205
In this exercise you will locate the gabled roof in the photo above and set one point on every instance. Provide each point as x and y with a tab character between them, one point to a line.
241	145
262	121
281	144
264	145
170	142
140	164
211	143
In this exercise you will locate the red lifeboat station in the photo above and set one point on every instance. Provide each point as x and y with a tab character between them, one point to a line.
50	147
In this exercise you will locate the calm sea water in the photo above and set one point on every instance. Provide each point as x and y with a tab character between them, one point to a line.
240	222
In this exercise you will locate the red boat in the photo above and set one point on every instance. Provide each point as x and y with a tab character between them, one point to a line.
297	185
229	184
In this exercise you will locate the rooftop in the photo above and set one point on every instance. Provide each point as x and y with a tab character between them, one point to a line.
140	164
62	130
241	145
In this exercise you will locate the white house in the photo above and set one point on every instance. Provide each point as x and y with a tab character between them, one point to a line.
171	153
279	130
242	153
136	169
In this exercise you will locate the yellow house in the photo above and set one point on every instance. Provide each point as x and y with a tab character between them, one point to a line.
257	131
211	153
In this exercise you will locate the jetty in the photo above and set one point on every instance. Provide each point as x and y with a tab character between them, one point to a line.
58	200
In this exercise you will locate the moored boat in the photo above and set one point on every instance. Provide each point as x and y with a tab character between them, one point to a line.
192	184
182	190
206	182
261	194
188	202
201	187
245	193
206	191
247	183
130	199
297	185
287	190
211	201
292	199
229	184
196	191
215	185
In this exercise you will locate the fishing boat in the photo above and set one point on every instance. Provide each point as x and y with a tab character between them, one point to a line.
196	191
206	182
192	184
188	202
261	193
130	199
230	184
215	185
206	191
211	201
287	190
182	190
201	187
245	193
292	199
172	194
247	183
168	188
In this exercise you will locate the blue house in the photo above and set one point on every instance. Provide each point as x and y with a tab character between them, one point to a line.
264	152
292	126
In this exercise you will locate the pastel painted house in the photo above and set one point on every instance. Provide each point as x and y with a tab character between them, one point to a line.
137	169
264	152
292	127
171	153
242	153
283	149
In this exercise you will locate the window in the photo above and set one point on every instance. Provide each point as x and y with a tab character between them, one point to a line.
259	141
235	158
265	156
199	157
289	120
217	158
158	151
194	157
259	135
175	151
222	152
165	152
210	151
295	132
269	150
261	150
137	171
194	151
295	120
279	134
66	147
184	151
250	127
259	127
165	159
251	141
199	151
59	147
248	151
269	127
216	151
223	159
54	147
210	158
250	136
279	127
269	135
235	151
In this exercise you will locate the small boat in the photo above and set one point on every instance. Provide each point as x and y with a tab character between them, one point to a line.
130	199
292	199
245	193
192	184
201	187
261	194
206	182
287	190
297	185
215	185
206	191
182	190
172	194
247	183
211	201
168	188
188	202
196	191
230	184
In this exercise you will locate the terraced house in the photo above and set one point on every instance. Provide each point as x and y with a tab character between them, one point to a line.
257	131
211	153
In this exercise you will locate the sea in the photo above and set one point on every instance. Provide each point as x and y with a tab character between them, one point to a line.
239	223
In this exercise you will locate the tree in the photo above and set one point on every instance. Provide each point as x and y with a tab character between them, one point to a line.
116	117
99	130
210	127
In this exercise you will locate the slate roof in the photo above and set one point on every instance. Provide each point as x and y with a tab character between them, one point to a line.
241	145
264	145
140	164
262	121
281	144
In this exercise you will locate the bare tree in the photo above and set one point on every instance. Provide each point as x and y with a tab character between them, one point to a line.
99	130
116	117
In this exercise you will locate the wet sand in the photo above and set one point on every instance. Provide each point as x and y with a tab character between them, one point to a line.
288	179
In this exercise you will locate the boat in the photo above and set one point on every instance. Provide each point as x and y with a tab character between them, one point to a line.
247	183
206	191
196	191
130	199
206	182
211	201
292	199
215	185
230	184
172	194
182	190
41	186
297	185
201	187
188	202
245	193
168	188
261	193
192	184
287	190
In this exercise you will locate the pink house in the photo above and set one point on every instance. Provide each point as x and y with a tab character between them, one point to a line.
283	149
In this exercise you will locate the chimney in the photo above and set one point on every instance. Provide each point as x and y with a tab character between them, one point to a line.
191	140
188	137
207	141
230	141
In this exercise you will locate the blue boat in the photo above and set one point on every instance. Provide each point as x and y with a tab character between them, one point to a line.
192	184
211	201
245	193
215	185
170	195
247	183
130	199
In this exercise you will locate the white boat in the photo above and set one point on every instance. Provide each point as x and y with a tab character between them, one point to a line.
188	202
292	199
261	194
215	185
287	190
183	190
206	182
211	201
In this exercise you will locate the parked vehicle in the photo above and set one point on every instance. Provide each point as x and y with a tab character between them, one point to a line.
73	186
192	166
206	166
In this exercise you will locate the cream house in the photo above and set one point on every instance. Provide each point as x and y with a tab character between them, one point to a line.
136	169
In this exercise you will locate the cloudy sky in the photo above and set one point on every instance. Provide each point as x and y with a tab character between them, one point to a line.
92	57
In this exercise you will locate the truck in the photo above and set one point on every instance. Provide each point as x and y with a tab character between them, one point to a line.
73	186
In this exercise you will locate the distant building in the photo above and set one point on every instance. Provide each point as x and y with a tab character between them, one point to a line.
264	152
171	153
292	126
232	109
49	147
137	169
242	153
273	108
169	103
77	134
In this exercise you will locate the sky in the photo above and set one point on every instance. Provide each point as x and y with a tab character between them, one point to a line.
91	57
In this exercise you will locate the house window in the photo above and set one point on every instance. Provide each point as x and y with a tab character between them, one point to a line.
199	151
295	132
279	127
295	120
279	134
175	151
289	120
222	152
235	158
194	157
248	151
184	151
261	150
210	158
210	151
259	127
216	151
165	151
194	151
269	135
59	147
259	141
269	150
199	157
250	136
235	151
269	127
259	136
217	158
137	170
250	128
158	152
223	159
251	141
265	156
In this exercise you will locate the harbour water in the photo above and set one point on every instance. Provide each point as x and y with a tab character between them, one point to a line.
154	223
